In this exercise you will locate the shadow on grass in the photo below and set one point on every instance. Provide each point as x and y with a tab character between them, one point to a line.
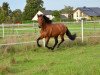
67	44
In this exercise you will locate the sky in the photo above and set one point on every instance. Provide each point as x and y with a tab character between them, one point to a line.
53	4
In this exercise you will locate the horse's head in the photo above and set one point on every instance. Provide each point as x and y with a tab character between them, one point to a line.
40	20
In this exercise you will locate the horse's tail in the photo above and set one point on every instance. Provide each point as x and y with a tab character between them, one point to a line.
70	36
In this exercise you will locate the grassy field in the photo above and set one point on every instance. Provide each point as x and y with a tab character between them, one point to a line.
72	58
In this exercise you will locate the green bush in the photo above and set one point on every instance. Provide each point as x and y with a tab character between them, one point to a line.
27	21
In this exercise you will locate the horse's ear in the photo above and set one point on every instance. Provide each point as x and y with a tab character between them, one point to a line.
39	15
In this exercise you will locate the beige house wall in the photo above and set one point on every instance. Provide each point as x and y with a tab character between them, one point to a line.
78	15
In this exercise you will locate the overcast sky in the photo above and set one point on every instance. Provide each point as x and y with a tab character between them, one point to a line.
54	4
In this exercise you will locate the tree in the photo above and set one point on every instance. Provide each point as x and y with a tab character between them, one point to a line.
1	15
7	16
17	16
56	14
5	13
6	8
31	8
68	10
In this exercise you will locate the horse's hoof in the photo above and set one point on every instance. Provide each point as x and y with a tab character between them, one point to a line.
52	49
39	46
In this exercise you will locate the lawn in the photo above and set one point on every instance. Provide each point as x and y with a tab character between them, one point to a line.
72	58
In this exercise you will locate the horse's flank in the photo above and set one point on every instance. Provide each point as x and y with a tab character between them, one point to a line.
53	30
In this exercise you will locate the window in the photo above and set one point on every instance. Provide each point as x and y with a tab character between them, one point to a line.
77	14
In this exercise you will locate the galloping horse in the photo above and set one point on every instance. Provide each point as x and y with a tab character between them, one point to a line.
48	30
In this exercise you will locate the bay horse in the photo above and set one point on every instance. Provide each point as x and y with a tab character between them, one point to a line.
49	29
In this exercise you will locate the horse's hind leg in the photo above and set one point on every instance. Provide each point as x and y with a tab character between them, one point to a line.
62	40
46	44
56	41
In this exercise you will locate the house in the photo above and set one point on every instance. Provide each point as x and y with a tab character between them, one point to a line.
48	13
63	16
86	12
68	15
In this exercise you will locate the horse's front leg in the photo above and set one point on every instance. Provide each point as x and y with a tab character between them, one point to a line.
38	41
46	44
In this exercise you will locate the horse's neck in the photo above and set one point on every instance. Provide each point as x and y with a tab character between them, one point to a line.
44	26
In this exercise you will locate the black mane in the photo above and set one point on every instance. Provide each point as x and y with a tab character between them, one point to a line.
47	20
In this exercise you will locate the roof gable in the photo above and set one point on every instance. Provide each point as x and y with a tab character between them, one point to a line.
47	12
63	17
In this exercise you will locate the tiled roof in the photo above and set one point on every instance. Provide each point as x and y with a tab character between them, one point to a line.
47	12
91	11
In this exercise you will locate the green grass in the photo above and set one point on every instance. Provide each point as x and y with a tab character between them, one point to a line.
72	58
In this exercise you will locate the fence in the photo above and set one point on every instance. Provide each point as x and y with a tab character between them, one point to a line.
15	33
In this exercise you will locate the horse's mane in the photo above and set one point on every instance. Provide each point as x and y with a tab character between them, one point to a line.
47	20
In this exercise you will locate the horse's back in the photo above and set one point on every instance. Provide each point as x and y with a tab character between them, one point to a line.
59	26
58	29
